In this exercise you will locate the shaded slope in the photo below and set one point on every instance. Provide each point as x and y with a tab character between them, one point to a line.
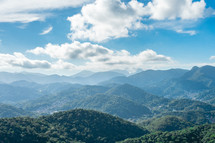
166	123
198	134
187	104
111	104
7	111
137	95
195	117
13	94
51	103
149	77
198	79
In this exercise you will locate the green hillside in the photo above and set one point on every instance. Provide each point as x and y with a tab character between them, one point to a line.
195	117
137	95
7	111
187	105
111	104
197	134
166	123
54	102
70	126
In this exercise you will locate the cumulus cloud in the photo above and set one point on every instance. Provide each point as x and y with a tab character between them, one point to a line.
78	56
106	19
172	9
75	50
12	61
19	60
32	10
47	30
96	56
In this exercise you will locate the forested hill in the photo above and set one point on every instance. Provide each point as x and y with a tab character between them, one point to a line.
71	126
7	111
197	134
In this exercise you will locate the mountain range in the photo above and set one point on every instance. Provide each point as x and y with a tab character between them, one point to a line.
168	101
84	77
127	100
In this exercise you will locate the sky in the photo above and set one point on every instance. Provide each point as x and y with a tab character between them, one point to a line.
66	37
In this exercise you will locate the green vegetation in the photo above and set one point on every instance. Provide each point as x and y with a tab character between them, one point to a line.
111	104
7	111
167	123
168	120
207	96
197	134
195	117
70	126
137	95
125	101
54	102
188	105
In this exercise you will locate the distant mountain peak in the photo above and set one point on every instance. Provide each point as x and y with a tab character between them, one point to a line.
197	72
194	68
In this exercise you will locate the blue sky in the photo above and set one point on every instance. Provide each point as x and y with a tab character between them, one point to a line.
52	37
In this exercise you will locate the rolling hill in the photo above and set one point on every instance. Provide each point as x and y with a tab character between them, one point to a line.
187	105
165	123
8	111
197	134
137	95
13	94
111	104
125	101
54	102
147	78
71	126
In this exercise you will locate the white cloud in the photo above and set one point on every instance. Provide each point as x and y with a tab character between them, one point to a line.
47	30
212	58
109	19
75	50
123	60
21	17
60	64
19	60
32	10
179	26
172	9
190	32
105	19
99	57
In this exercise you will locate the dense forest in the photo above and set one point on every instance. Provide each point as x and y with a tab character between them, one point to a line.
197	134
70	126
95	127
166	123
